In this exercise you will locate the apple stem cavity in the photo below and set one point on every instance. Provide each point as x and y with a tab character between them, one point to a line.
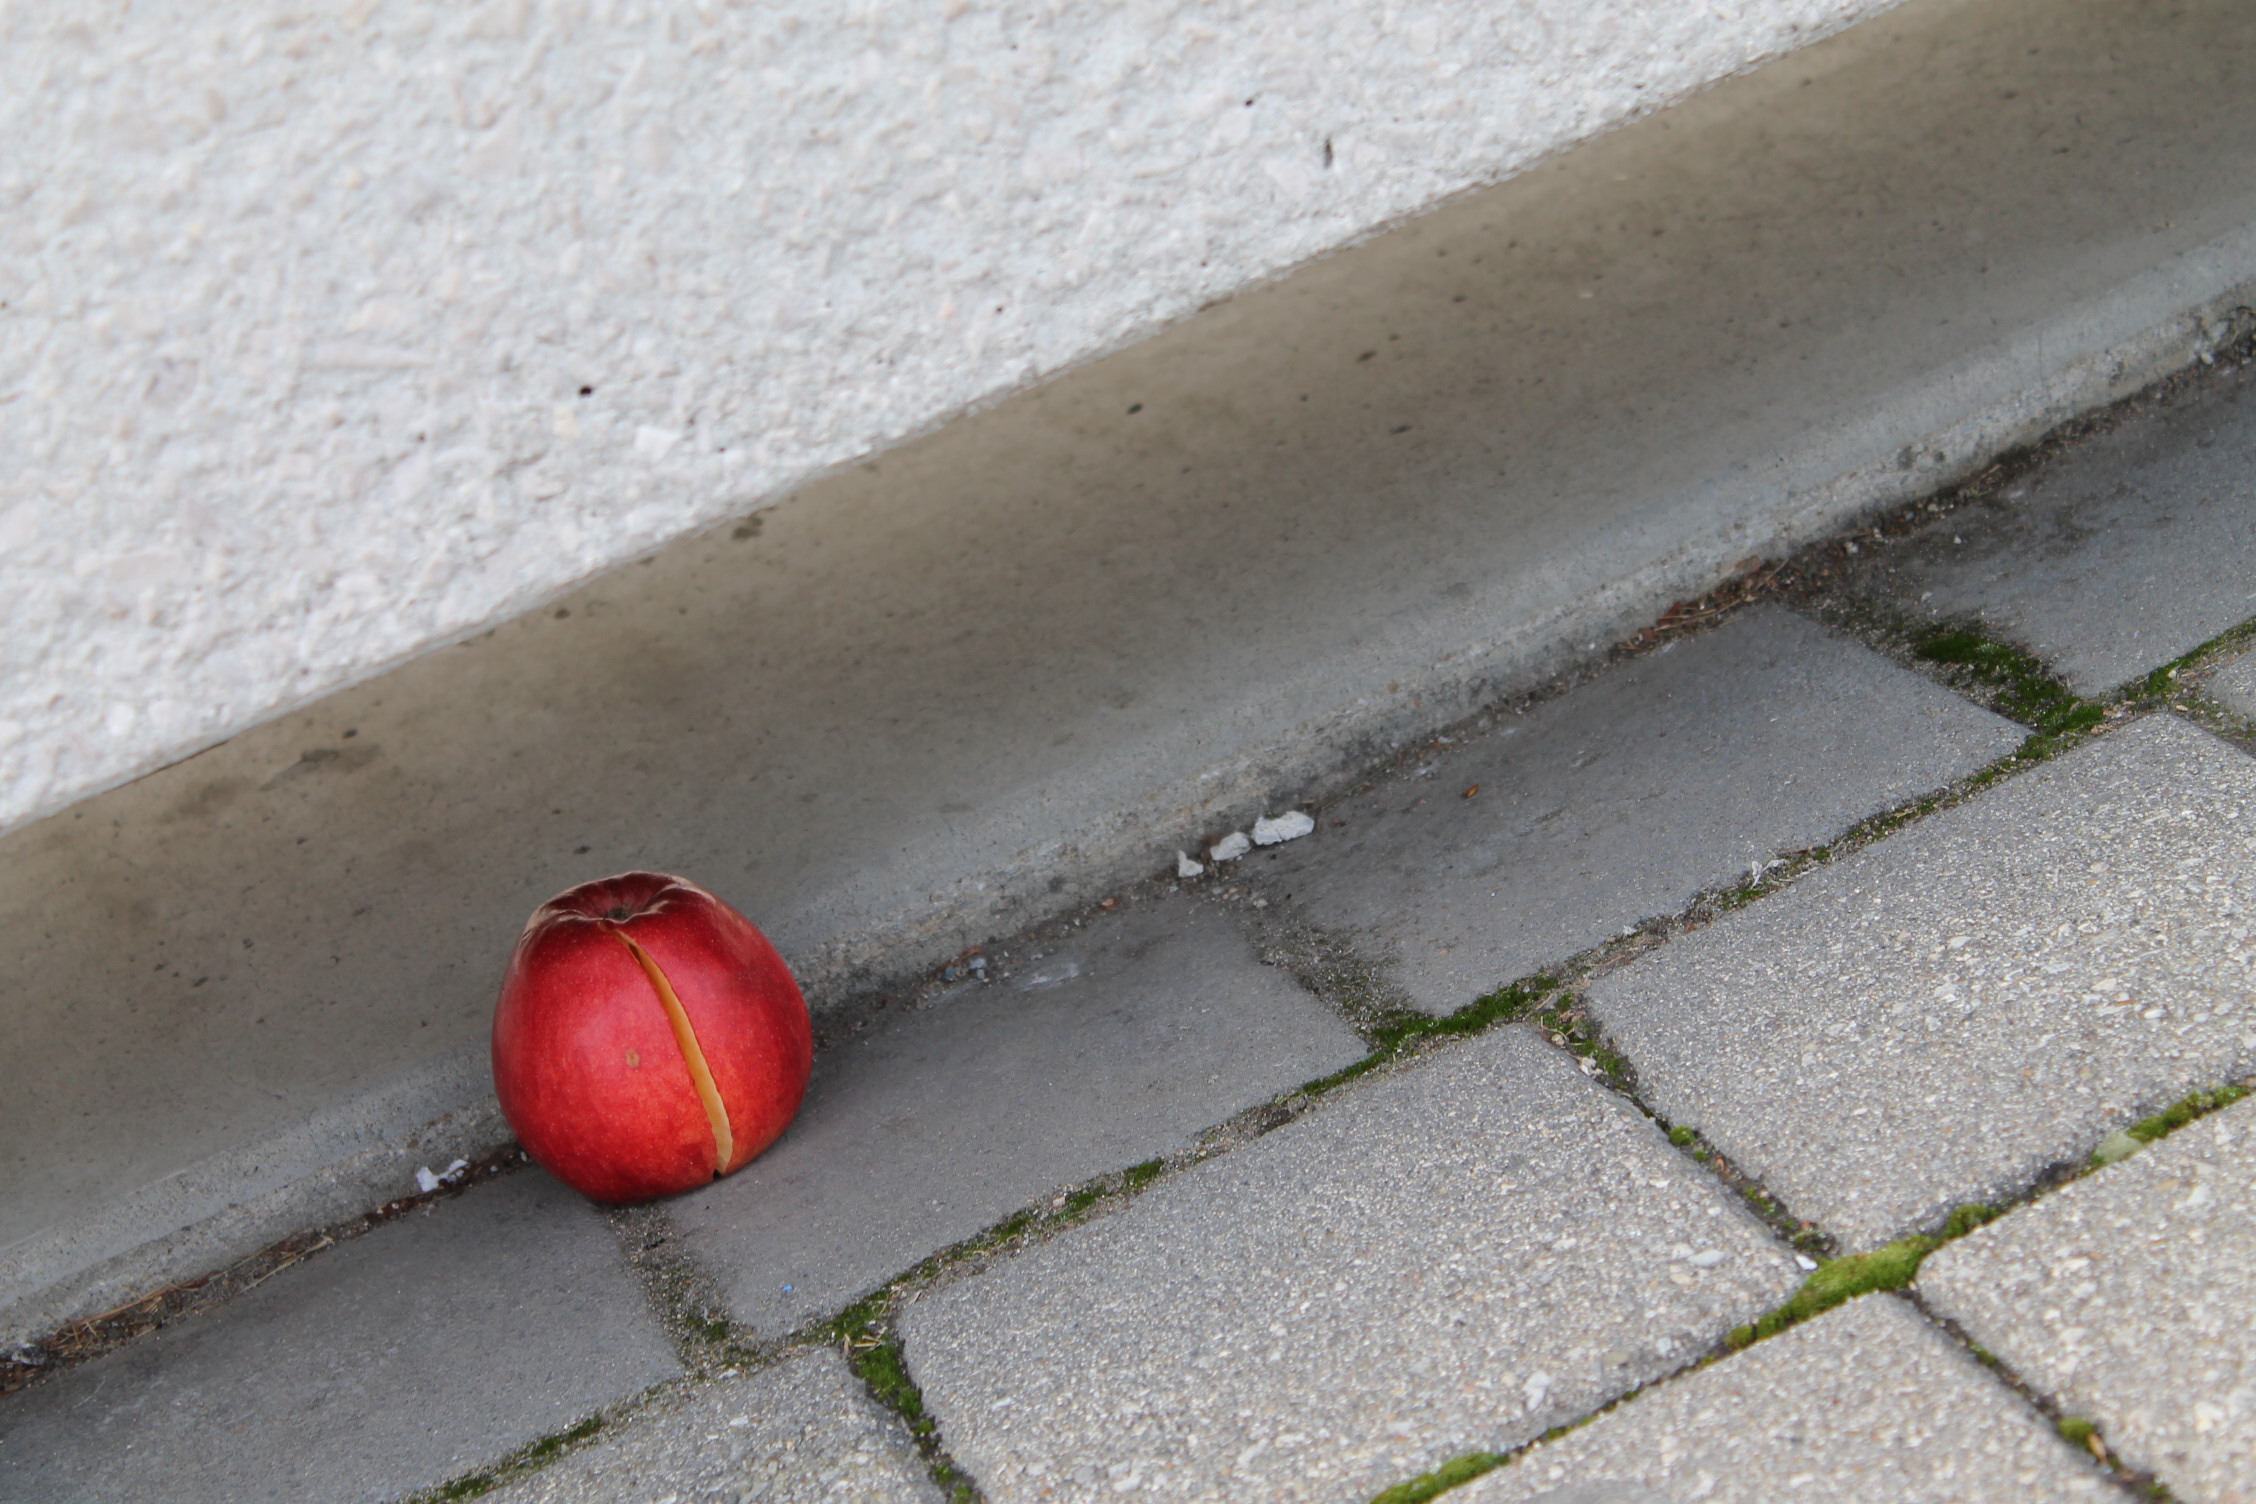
724	1140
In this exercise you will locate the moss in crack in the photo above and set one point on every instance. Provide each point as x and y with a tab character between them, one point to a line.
1397	1031
1837	1281
550	1446
528	1458
1449	1475
2075	1430
2016	684
2187	1109
2125	1142
1570	1028
1966	1218
1341	1077
1803	1237
1840	1280
864	1330
2169	679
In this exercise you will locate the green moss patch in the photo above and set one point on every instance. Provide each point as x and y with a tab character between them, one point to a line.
1396	1032
1431	1485
2183	1111
1840	1280
2019	686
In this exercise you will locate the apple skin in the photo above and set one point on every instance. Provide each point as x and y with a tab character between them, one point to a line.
586	1061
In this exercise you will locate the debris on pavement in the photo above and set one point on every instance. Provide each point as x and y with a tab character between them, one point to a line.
1289	826
1230	847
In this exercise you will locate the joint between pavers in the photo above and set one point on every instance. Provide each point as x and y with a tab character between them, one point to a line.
534	1455
1894	1266
872	1348
2076	1431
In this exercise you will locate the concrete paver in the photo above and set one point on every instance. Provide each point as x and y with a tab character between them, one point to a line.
2130	1298
1117	1047
1936	1018
1868	1402
2235	684
1625	798
1454	1257
803	1431
420	1351
2131	548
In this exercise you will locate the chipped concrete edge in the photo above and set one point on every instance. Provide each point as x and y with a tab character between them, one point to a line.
1325	723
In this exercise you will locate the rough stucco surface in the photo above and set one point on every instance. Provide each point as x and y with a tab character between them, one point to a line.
296	311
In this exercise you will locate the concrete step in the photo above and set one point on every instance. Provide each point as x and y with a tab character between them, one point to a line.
999	670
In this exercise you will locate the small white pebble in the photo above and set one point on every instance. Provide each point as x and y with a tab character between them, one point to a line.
1230	847
1289	826
1707	1258
1185	867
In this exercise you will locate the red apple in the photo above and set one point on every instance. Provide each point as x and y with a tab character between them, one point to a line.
648	1038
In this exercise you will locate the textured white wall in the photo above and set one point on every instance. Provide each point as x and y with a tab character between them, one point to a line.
298	302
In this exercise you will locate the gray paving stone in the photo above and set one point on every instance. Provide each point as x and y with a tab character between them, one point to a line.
1119	1047
2130	1298
1625	798
418	1352
1453	1257
1868	1402
803	1431
2235	684
1935	1019
2131	548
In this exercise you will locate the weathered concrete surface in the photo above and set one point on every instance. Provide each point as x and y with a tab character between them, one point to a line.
1116	1047
2235	684
1456	1257
2127	1297
1937	1018
1055	641
803	1432
401	1359
1868	1402
1625	798
2131	548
